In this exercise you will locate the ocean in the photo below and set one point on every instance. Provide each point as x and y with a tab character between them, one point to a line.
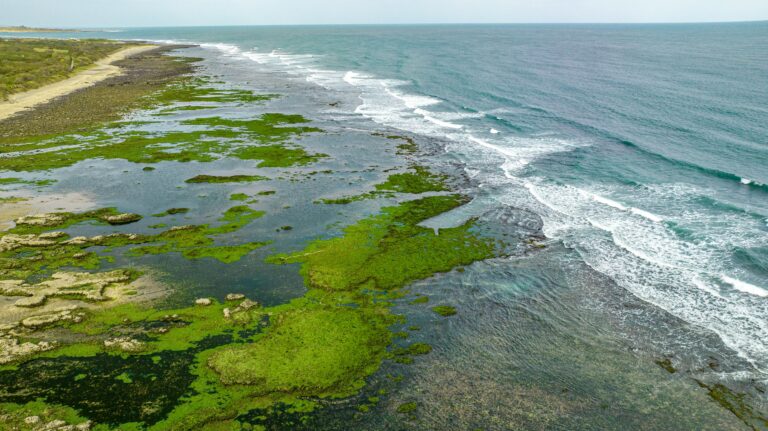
639	154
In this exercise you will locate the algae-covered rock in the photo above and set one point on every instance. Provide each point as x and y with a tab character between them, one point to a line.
247	305
203	302
444	310
79	285
51	219
234	296
47	319
370	249
407	407
214	179
126	344
12	350
12	241
121	219
31	301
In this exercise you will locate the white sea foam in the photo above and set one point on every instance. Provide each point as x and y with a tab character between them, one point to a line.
606	201
698	282
746	181
385	101
650	216
411	101
742	286
429	117
223	47
648	259
613	204
353	78
163	41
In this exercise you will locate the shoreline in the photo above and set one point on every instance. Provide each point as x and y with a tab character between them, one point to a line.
100	71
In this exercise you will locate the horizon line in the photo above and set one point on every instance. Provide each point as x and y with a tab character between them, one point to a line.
390	24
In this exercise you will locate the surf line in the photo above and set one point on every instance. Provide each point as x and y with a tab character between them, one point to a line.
613	204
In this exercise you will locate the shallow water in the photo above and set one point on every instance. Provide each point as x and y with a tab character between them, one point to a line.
638	151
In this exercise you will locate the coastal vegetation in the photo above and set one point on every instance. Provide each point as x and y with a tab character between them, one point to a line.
25	29
31	63
107	101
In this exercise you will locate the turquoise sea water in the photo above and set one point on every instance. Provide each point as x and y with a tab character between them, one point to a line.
640	152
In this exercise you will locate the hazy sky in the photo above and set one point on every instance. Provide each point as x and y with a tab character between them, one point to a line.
126	13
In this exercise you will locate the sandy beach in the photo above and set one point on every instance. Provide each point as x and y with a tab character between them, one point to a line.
100	71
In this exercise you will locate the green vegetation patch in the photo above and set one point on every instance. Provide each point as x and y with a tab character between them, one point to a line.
213	179
390	250
267	128
277	156
349	199
444	310
407	147
8	181
136	147
171	211
197	242
309	352
407	408
419	181
737	404
196	90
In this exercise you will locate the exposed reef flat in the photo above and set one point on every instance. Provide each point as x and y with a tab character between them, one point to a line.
88	301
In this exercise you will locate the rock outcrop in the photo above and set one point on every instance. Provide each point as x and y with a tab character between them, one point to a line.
120	219
12	350
82	285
